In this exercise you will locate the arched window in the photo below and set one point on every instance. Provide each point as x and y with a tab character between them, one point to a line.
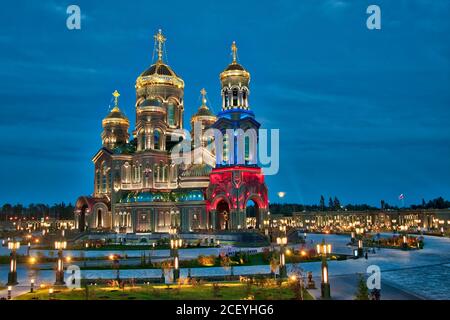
244	98
156	172
104	177
142	140
171	114
126	173
247	148
235	97
225	96
98	180
156	140
225	147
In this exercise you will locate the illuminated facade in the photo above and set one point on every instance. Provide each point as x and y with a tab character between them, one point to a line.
139	188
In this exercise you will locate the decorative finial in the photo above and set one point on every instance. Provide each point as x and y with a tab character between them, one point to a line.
234	51
203	93
116	95
160	39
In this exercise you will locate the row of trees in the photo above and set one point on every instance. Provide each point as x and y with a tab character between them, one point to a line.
65	211
38	210
335	205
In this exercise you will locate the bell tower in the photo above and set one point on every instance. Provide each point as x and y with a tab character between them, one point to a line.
115	126
237	179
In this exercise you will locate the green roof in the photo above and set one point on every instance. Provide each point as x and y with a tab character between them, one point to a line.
181	195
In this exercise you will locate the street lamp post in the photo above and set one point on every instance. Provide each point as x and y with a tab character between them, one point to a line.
115	265
175	243
359	234
282	242
12	275
324	250
266	226
404	232
60	246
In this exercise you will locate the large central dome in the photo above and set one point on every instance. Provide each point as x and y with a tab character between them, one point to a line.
159	73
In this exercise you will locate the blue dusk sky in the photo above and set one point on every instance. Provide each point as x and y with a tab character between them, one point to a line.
363	114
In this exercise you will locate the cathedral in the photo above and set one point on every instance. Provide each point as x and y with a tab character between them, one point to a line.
139	188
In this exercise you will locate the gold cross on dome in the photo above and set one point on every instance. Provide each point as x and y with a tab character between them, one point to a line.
234	50
116	95
160	39
203	93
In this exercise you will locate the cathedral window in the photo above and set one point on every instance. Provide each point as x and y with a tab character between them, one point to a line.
244	98
156	140
98	180
171	114
104	177
225	148
126	173
156	173
225	96
142	141
235	97
247	148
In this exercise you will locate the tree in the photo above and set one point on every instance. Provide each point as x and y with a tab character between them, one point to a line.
337	203
362	292
322	203
330	204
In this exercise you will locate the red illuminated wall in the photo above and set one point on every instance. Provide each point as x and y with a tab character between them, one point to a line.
237	185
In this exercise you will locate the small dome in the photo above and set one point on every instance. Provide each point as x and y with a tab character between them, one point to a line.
203	112
235	71
115	116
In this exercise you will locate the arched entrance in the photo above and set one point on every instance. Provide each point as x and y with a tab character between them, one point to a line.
99	218
82	219
223	215
252	214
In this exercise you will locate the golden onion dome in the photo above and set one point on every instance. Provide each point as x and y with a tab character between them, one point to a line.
234	69
159	73
203	113
116	116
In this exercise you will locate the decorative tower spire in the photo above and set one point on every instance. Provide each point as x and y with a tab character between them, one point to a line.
160	39
115	126
234	51
116	95
203	93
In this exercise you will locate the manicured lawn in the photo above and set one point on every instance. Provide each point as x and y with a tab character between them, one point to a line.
222	291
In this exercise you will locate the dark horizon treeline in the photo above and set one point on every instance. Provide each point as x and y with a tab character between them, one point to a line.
335	205
65	211
37	210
